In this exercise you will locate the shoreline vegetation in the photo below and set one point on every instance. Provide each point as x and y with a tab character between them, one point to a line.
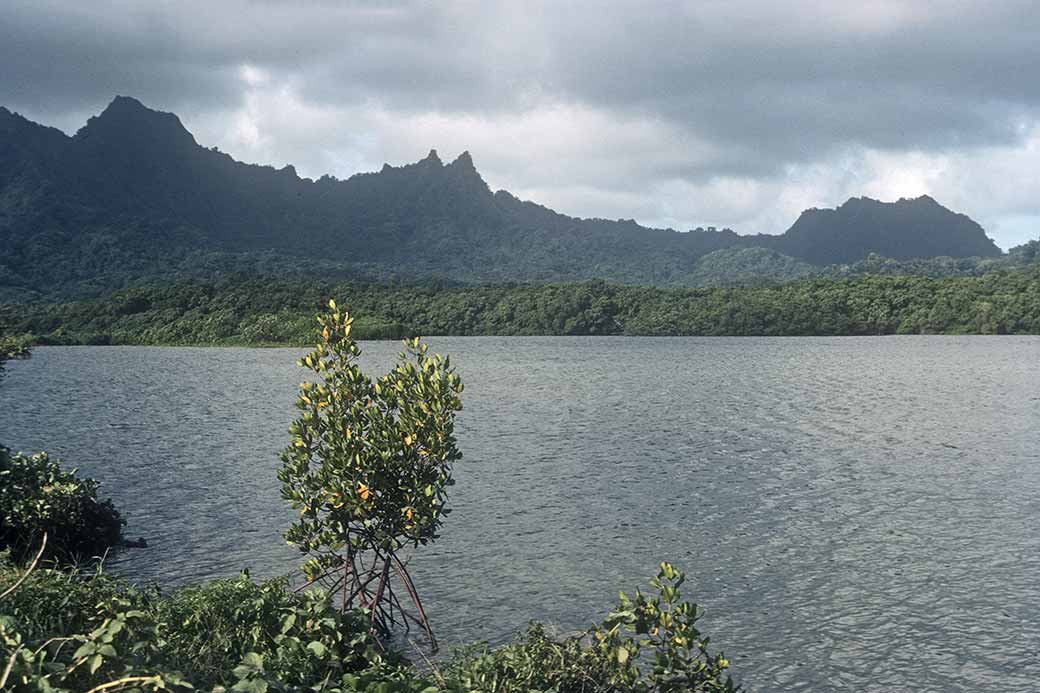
257	311
367	468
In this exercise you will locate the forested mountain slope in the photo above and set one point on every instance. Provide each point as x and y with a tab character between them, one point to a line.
133	197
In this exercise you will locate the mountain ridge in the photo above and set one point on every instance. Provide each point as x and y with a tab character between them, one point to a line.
133	185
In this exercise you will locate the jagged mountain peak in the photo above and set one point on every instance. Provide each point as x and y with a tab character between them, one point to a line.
126	118
432	158
126	104
432	168
464	161
925	199
464	168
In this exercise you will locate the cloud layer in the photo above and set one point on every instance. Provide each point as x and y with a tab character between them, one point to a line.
726	113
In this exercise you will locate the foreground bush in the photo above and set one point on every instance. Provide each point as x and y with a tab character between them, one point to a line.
72	632
290	641
60	631
648	644
37	496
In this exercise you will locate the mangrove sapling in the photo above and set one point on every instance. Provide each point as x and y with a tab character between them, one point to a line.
368	469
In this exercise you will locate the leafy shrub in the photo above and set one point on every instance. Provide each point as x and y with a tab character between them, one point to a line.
295	639
70	632
12	348
368	466
647	645
63	631
37	496
55	601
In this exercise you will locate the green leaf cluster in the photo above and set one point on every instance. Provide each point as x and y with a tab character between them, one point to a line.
37	496
370	461
648	644
12	348
68	631
62	632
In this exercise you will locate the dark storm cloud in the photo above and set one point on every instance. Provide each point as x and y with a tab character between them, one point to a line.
787	81
613	103
791	82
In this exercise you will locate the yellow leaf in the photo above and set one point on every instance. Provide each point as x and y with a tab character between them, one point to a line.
622	655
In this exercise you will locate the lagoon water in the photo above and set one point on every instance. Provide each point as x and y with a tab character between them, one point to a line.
853	514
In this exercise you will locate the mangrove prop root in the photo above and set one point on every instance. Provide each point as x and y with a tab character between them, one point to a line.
371	585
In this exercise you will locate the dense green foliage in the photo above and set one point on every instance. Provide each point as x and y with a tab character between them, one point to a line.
250	311
37	496
72	632
370	460
1027	252
133	198
647	644
746	267
1019	258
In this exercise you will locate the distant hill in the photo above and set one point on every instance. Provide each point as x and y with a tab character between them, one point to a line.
902	230
743	266
133	197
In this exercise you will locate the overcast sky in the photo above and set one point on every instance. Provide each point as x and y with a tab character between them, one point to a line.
676	114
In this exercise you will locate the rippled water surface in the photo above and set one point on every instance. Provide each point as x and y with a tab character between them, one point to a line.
854	514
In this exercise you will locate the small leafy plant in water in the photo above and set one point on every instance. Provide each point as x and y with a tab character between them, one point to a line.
368	469
649	644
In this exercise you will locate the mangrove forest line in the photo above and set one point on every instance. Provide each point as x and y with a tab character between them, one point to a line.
257	311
